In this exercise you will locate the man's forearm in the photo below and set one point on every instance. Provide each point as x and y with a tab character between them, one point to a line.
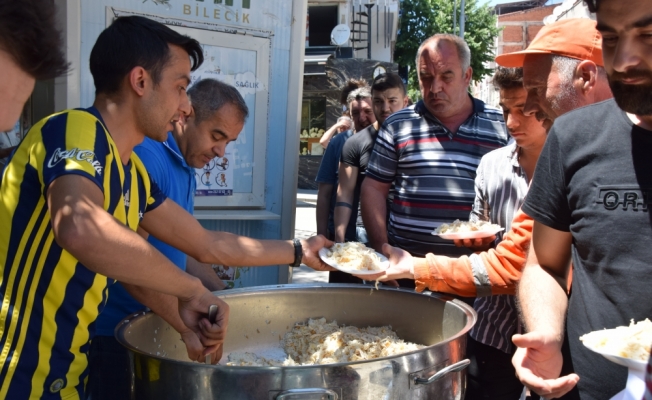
328	135
238	251
324	194
167	307
103	245
344	200
205	273
542	302
466	276
374	212
542	294
342	217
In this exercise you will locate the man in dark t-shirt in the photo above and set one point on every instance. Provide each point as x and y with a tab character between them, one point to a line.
590	199
388	96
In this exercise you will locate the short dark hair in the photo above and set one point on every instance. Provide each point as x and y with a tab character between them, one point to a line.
387	81
349	86
207	96
136	41
508	78
28	33
592	5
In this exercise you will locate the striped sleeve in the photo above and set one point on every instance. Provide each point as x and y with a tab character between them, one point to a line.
150	191
496	271
156	197
481	207
83	150
383	162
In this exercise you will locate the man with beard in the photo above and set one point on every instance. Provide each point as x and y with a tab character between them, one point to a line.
590	200
426	155
573	63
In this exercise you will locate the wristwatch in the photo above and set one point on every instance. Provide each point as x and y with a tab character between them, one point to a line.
298	253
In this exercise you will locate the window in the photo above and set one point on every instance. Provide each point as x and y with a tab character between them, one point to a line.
313	125
322	20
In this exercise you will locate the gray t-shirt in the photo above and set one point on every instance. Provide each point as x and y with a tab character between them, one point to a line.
594	179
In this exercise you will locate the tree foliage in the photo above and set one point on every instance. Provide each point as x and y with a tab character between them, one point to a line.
421	19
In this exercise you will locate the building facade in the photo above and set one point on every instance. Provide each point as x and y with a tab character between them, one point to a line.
344	39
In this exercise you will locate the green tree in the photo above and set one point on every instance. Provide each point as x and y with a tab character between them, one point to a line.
421	19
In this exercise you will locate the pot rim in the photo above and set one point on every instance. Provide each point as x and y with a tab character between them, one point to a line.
468	310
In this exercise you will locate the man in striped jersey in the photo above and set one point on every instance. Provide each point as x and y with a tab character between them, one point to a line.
426	155
75	193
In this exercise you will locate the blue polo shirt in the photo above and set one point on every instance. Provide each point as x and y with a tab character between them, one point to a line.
176	180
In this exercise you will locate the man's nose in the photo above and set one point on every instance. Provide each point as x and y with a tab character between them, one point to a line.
627	54
219	150
531	106
184	104
512	122
435	86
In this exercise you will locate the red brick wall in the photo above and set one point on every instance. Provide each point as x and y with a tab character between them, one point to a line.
520	28
532	31
533	14
512	48
513	33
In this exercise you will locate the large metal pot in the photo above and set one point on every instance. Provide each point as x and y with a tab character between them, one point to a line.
260	316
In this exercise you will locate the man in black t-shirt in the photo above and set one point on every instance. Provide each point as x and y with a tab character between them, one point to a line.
590	200
388	96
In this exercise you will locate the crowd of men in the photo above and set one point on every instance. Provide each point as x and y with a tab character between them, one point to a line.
102	195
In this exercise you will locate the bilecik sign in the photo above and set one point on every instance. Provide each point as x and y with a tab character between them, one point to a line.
215	9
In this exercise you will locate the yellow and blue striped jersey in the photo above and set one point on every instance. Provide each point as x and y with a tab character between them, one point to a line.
49	300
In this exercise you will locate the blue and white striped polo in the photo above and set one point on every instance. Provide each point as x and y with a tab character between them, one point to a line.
432	172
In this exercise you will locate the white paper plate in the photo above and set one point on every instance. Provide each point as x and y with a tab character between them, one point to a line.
635	365
384	264
468	235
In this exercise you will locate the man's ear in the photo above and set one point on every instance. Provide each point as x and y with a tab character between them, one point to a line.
586	75
138	80
468	75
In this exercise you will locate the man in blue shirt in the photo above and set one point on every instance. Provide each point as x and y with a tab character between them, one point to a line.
218	113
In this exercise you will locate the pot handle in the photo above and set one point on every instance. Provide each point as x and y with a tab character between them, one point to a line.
332	395
443	372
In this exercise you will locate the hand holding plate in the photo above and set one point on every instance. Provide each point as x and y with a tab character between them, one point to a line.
312	248
401	266
477	244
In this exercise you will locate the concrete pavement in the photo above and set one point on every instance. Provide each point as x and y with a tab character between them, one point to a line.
305	225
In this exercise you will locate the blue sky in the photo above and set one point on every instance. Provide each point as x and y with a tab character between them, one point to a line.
494	2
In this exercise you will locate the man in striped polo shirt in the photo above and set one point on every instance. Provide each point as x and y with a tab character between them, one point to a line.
426	155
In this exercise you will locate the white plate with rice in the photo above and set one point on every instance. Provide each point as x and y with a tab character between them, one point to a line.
467	230
354	258
628	346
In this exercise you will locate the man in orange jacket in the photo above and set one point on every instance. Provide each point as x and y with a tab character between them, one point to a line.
572	57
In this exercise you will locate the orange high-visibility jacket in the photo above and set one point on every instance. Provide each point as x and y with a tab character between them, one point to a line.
496	271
